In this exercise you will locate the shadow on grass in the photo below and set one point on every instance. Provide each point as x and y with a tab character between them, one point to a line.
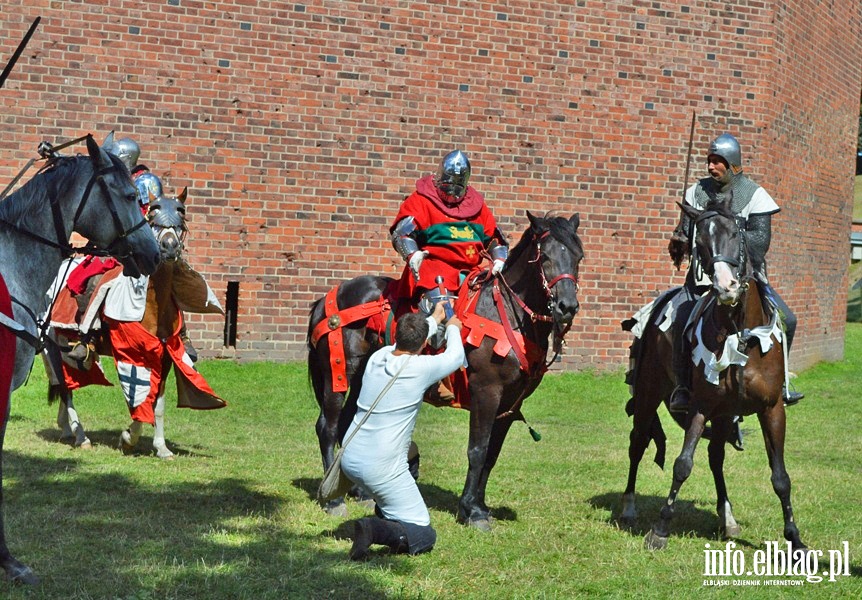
688	518
111	439
188	531
436	498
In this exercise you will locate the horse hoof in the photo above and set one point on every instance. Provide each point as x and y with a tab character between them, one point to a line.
626	522
165	455
483	525
653	541
86	445
336	510
731	531
21	574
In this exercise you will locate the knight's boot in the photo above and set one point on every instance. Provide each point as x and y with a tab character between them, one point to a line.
374	530
187	343
735	436
680	398
441	394
791	396
83	352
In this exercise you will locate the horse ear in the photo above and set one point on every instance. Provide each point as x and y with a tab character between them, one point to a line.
537	223
183	194
99	159
108	144
689	210
575	220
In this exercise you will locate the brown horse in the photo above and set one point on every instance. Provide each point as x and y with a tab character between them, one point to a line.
738	346
146	350
536	294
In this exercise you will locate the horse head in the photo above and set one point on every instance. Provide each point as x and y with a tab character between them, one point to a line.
167	218
558	255
121	232
720	248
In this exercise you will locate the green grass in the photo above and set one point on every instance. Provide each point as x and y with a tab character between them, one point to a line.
233	516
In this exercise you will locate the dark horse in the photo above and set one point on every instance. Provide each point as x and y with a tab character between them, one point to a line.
536	294
92	195
174	284
738	345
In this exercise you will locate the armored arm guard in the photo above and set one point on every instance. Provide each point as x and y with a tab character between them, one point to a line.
402	241
498	247
758	234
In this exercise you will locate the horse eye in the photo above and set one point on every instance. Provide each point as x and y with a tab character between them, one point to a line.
131	197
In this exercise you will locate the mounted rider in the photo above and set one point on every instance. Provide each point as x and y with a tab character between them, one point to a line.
445	229
753	208
82	279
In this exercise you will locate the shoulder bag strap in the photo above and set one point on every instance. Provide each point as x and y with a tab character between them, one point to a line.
373	404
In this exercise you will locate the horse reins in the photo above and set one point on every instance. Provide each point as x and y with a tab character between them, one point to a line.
533	316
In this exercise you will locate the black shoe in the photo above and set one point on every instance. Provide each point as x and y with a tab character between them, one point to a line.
792	397
679	401
362	539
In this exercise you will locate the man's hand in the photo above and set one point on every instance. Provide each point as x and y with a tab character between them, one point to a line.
455	321
439	313
415	261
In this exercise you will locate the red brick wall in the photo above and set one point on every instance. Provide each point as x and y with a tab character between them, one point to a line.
299	128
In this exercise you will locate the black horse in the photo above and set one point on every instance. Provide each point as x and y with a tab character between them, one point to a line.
740	370
534	297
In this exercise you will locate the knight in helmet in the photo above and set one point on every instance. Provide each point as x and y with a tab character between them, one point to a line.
443	229
754	208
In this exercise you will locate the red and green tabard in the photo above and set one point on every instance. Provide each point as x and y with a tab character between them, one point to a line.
453	235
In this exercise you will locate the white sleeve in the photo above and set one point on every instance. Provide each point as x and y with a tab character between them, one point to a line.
440	365
432	327
761	204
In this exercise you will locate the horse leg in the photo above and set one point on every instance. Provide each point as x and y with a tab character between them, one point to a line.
638	442
657	537
73	423
471	509
498	434
159	444
327	438
773	424
129	438
728	527
16	571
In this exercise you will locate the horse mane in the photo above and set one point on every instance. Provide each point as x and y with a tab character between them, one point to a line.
560	228
34	195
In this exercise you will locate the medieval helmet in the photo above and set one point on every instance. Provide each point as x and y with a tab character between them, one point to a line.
727	148
128	151
148	184
453	174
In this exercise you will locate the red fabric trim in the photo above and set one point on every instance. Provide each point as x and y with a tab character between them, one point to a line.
331	326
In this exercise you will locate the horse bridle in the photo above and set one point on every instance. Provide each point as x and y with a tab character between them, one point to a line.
736	262
547	286
57	214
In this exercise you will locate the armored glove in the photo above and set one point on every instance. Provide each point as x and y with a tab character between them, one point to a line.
415	261
497	266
